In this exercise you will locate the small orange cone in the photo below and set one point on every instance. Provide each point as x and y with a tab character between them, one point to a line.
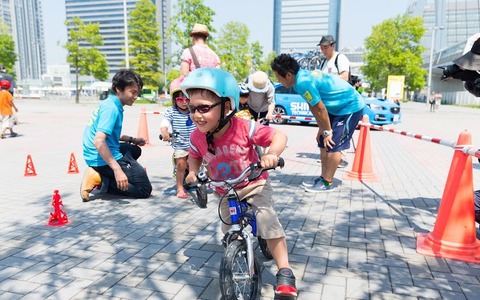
72	166
454	233
58	217
362	164
142	126
29	167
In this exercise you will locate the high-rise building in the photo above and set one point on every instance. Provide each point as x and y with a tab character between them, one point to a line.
300	24
452	21
24	20
109	14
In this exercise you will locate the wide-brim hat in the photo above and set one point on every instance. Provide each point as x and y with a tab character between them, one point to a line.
258	82
470	60
326	40
200	29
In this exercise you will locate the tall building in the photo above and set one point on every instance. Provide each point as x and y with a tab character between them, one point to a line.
109	14
298	25
452	21
24	19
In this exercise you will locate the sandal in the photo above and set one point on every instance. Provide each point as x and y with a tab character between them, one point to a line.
182	194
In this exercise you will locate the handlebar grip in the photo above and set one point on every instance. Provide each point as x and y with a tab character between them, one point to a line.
281	162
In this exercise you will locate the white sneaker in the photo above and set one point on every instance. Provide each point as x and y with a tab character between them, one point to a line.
319	187
310	183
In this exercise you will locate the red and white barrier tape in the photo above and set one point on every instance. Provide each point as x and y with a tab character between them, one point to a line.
471	151
414	135
467	149
294	118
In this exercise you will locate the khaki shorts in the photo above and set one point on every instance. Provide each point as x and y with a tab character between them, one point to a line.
260	197
7	122
180	153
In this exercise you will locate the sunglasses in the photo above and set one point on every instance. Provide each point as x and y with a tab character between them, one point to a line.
203	109
181	99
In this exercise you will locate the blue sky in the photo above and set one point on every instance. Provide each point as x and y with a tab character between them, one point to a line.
358	17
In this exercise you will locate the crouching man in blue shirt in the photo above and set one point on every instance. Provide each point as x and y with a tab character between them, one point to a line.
112	157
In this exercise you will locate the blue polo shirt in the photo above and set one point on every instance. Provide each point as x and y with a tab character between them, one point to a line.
106	118
338	96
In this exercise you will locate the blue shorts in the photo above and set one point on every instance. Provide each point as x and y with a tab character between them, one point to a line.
343	128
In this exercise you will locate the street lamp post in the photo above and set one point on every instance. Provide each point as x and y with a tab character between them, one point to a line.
127	63
430	65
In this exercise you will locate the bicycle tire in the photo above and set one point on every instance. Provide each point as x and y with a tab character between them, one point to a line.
314	64
233	267
202	196
264	248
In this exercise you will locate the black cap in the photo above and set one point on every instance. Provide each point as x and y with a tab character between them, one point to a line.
326	40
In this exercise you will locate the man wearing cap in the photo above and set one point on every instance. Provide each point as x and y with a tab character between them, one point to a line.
261	101
199	55
335	63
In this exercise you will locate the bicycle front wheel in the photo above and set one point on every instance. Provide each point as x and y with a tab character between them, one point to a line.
264	248
235	280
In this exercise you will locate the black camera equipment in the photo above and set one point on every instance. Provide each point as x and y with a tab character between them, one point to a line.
454	71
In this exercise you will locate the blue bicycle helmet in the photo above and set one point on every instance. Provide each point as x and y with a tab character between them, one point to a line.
220	82
244	91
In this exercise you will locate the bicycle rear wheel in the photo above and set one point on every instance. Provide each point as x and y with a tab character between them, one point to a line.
235	280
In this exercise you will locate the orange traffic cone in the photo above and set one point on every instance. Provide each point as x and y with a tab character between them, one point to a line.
454	234
362	164
72	166
58	217
142	126
29	167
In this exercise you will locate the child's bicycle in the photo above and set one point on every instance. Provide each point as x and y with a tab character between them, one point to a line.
240	276
200	190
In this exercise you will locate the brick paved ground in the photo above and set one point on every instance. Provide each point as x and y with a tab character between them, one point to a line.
357	242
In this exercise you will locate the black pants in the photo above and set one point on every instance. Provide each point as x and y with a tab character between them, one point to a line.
259	115
139	185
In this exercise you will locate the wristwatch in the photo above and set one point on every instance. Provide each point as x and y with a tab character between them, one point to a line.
327	133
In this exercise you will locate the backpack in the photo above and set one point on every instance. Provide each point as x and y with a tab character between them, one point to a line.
352	79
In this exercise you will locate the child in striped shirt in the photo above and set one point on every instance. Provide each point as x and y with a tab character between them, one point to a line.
178	119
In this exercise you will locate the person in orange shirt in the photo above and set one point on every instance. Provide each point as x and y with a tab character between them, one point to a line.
6	108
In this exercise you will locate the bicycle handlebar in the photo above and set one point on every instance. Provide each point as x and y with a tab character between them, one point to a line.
252	172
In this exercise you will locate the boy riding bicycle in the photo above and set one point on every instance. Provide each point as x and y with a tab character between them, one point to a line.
226	143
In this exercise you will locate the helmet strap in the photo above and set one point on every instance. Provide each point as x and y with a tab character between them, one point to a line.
221	123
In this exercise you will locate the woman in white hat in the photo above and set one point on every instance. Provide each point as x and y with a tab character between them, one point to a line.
261	101
199	55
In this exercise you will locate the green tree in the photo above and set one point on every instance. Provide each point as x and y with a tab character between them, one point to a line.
234	50
188	13
7	49
394	49
83	54
265	65
144	44
257	56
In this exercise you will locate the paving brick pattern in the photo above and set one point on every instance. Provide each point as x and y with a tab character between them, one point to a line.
356	242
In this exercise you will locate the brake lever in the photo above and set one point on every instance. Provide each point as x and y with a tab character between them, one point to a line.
257	169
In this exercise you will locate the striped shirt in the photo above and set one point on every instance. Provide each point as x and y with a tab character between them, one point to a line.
182	124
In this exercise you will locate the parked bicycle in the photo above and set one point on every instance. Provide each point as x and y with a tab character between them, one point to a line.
240	275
